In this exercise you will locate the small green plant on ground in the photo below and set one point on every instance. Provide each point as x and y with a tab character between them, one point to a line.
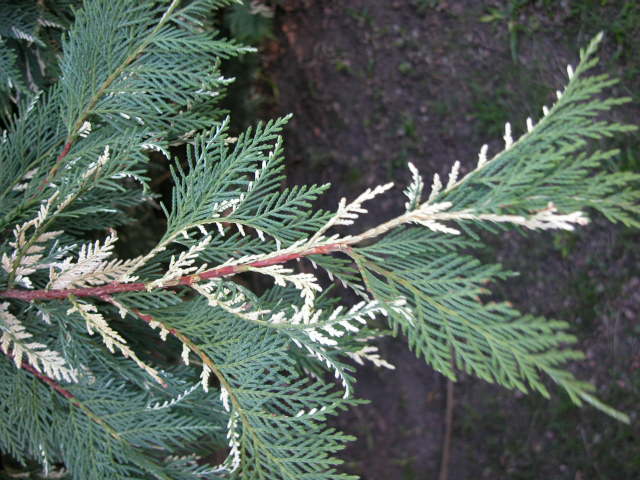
143	367
508	14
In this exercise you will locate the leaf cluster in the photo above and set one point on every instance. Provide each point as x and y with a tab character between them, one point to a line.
155	366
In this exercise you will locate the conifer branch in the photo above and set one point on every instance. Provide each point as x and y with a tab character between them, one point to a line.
82	117
186	280
17	342
155	84
73	400
208	366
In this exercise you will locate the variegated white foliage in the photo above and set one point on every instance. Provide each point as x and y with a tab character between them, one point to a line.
224	398
232	462
311	412
371	354
453	176
130	175
123	311
44	315
14	342
28	246
352	320
235	302
219	295
296	247
400	307
431	216
307	283
529	125
508	139
414	191
225	207
163	331
204	377
323	334
113	340
91	268
436	188
318	334
185	353
155	147
85	129
434	215
347	213
548	219
482	156
183	265
96	167
22	35
176	400
24	181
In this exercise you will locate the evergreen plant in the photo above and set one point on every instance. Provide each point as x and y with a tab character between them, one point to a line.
143	367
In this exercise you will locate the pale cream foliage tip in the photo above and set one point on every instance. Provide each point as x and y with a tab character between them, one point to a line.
14	342
91	268
347	213
183	264
28	246
95	322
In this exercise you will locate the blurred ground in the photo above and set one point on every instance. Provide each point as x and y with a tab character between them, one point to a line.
374	84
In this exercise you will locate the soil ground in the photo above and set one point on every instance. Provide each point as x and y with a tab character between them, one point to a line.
375	84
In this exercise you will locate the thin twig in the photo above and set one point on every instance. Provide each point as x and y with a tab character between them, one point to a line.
73	130
71	397
111	288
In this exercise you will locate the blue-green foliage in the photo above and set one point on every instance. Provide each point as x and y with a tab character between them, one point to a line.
93	384
145	75
30	35
552	164
218	174
267	393
248	23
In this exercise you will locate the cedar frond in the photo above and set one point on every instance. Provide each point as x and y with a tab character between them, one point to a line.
14	343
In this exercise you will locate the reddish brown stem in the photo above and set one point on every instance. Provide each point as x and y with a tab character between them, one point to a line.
206	360
71	397
63	153
111	288
142	316
51	382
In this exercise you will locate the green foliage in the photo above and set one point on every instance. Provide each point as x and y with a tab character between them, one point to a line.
30	34
90	390
509	14
250	21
